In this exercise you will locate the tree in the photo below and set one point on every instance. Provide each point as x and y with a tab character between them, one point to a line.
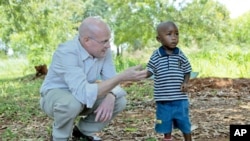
203	21
200	21
35	28
239	29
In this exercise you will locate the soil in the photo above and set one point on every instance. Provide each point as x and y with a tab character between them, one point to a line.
215	104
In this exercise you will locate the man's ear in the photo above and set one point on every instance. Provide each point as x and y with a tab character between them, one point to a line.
84	39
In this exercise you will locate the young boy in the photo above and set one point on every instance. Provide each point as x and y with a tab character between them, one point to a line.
171	70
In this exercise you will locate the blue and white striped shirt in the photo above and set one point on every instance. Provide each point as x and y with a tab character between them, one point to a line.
168	71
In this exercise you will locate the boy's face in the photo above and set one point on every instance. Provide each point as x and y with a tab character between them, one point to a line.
168	36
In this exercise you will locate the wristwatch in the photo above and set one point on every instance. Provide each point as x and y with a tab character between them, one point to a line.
112	94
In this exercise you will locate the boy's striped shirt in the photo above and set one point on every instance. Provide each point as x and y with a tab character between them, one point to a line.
168	71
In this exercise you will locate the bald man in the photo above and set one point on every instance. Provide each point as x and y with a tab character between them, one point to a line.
69	88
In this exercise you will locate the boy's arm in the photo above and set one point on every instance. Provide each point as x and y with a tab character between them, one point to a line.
184	86
149	74
186	77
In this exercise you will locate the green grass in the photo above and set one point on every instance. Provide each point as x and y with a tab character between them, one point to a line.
14	67
19	107
231	61
218	61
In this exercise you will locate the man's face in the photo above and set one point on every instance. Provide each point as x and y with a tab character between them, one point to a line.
99	44
169	36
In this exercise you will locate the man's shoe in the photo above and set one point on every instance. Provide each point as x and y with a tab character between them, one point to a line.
51	138
77	135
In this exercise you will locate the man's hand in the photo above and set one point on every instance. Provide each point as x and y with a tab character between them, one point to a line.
134	73
131	74
105	110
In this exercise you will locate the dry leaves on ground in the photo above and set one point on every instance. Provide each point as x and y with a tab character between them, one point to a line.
215	103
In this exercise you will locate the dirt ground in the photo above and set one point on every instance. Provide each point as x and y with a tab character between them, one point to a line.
215	103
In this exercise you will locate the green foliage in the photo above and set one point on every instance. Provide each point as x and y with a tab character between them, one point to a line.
122	62
219	61
3	55
202	22
239	31
35	28
136	27
14	67
216	60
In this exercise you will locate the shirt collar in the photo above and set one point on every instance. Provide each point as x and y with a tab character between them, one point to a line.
83	52
162	52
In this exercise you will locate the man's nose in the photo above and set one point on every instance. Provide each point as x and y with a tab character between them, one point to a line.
107	45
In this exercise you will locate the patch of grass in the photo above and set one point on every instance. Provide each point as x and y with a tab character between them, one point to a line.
19	107
214	61
14	67
219	61
130	129
142	89
151	139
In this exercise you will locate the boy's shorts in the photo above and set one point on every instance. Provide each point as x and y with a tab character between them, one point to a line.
169	113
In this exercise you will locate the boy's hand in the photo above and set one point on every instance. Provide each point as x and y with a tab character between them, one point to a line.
184	87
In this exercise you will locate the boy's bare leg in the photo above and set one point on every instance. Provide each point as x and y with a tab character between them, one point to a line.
187	137
167	136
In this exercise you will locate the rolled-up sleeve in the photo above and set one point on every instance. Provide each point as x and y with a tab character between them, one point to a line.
150	65
108	71
187	68
66	66
118	91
